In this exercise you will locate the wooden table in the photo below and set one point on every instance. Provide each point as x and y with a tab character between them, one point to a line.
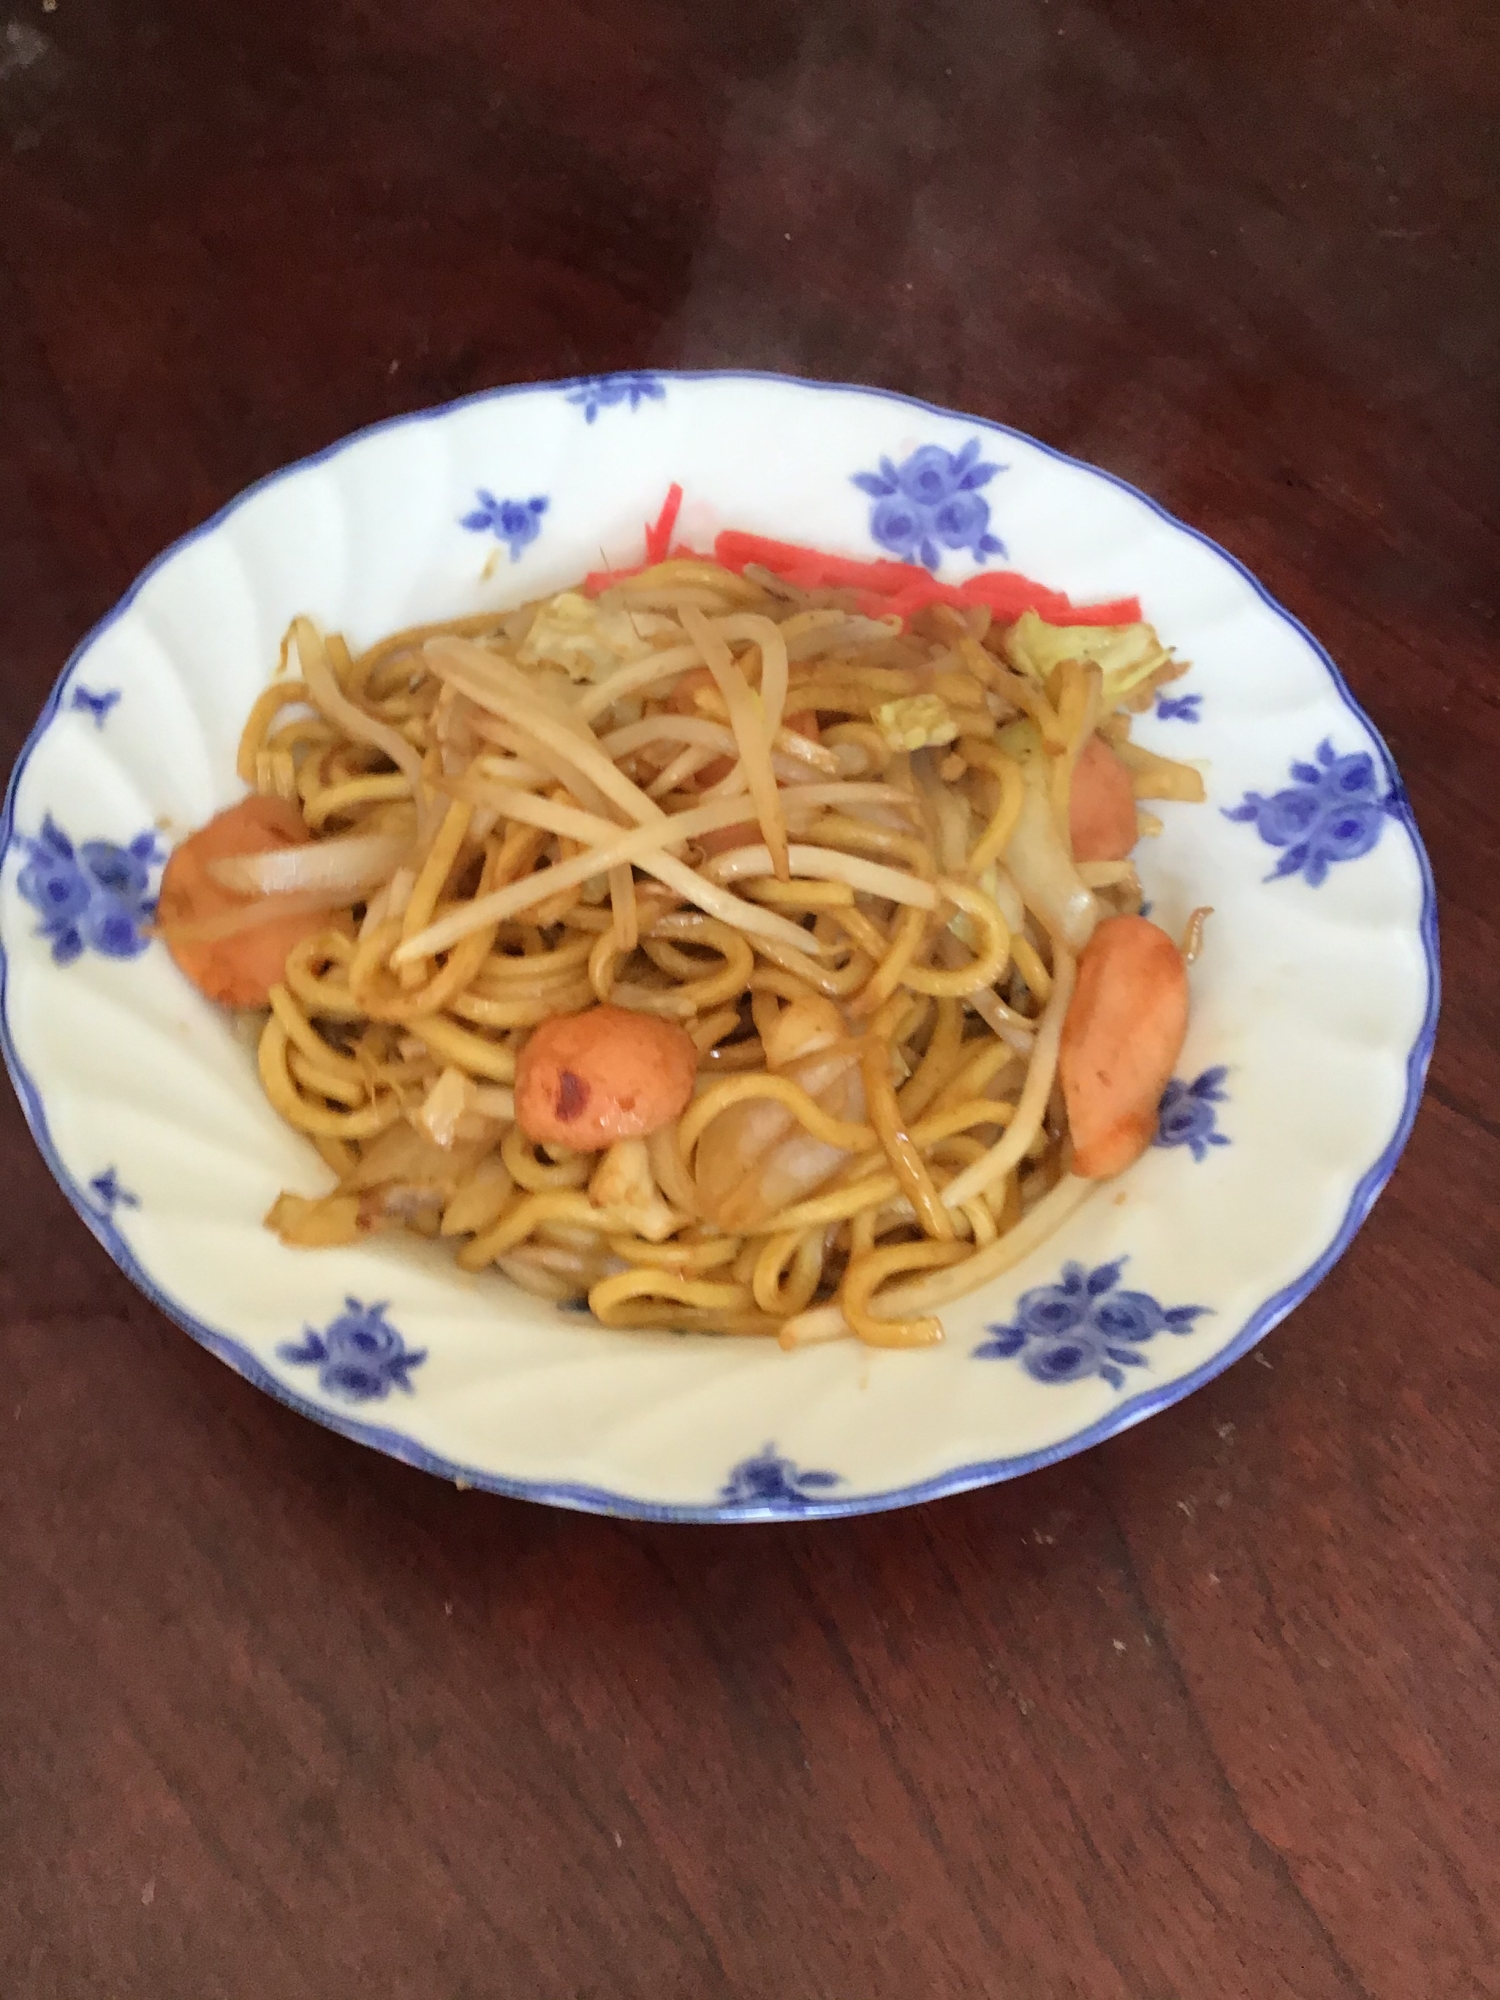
1212	1711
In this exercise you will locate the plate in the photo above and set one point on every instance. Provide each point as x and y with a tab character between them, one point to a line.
1314	1003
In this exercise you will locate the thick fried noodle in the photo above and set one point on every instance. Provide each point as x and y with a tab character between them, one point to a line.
832	848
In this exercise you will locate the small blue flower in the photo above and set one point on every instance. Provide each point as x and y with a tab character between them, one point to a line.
1187	1116
1065	1360
931	474
1083	1325
59	889
1050	1310
1332	811
931	502
769	1480
603	392
960	522
1128	1316
124	871
110	925
517	523
109	1195
1178	707
903	529
96	897
96	705
359	1356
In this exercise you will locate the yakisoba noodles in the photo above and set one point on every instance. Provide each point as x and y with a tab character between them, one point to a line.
746	945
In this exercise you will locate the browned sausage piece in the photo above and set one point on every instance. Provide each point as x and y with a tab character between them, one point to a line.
1120	1042
238	970
1101	812
585	1080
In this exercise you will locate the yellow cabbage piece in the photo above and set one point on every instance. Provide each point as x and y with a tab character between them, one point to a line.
914	721
573	632
1125	654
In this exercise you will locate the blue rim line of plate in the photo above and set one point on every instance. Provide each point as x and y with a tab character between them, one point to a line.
599	1500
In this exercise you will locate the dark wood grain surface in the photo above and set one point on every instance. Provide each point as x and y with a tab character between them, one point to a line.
1212	1711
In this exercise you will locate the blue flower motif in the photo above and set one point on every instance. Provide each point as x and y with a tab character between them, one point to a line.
95	897
930	502
603	392
1187	1116
359	1356
96	705
1178	707
769	1480
1332	811
109	1195
1084	1325
514	522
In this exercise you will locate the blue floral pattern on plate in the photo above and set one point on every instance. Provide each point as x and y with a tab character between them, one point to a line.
930	502
109	1195
769	1480
1178	707
604	392
96	705
239	1337
1332	811
92	897
517	523
1084	1325
1187	1116
360	1357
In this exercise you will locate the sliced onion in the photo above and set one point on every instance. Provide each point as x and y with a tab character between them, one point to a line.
246	916
948	812
347	865
409	1157
1042	868
443	1106
754	1159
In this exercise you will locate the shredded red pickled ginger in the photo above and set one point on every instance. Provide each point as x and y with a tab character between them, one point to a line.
886	588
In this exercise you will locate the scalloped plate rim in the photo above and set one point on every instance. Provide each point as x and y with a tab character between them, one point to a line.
583	1498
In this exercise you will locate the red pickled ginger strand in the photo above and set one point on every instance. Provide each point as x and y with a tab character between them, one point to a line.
603	579
1008	594
904	588
658	547
812	569
887	588
659	534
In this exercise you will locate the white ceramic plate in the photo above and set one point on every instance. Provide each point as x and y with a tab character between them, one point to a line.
1314	1003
